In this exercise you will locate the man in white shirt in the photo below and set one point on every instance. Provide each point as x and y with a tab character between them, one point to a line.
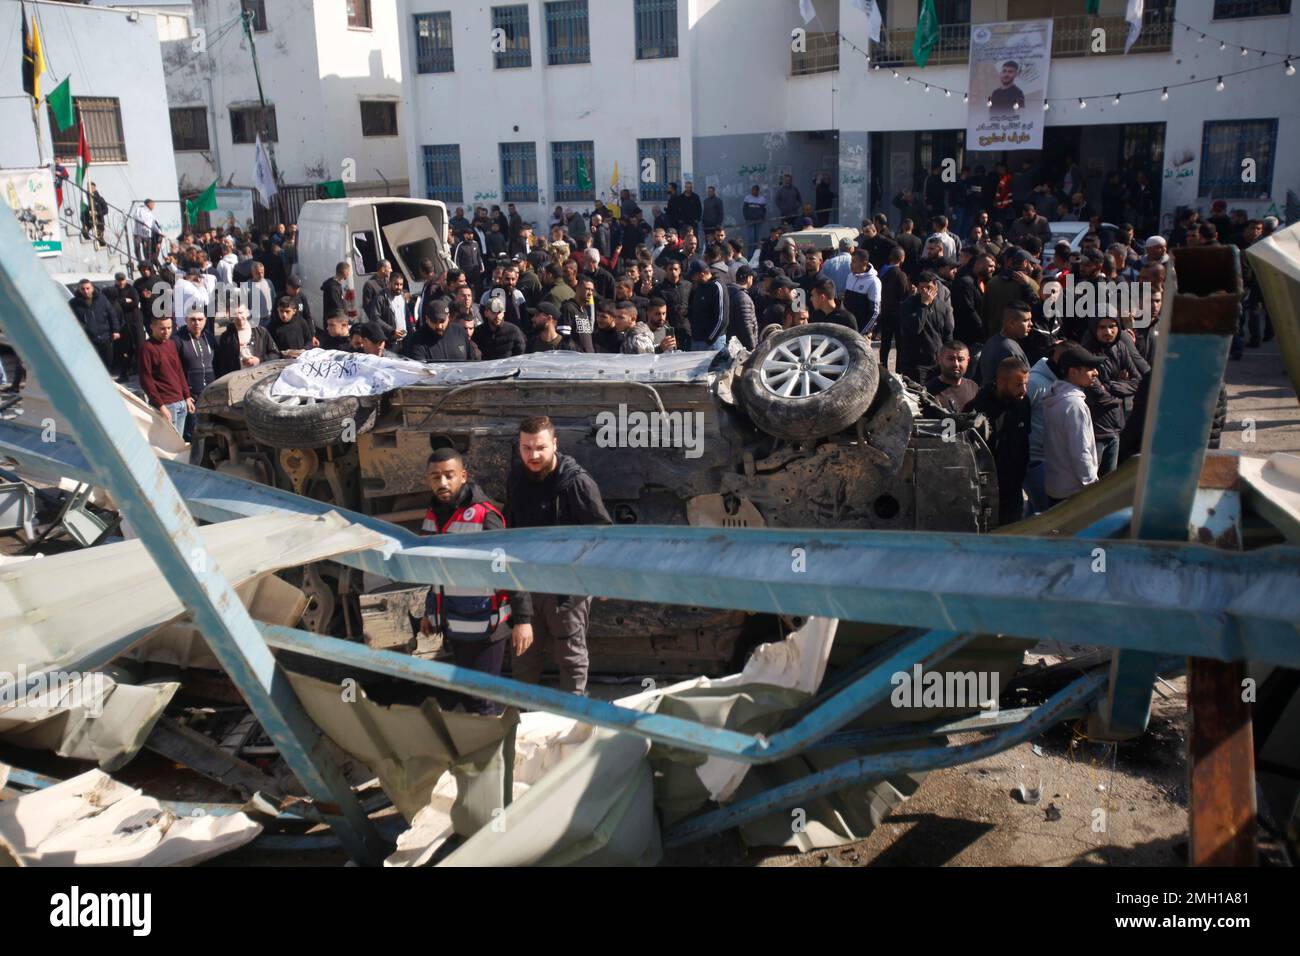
948	240
145	226
226	264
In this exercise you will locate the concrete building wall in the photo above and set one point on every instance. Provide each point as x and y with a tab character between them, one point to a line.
612	101
90	44
315	71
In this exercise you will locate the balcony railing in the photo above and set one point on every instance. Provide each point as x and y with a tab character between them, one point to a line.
822	55
1071	37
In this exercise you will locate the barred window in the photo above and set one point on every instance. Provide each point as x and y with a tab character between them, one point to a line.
665	166
656	29
519	172
573	169
102	118
568	37
442	173
512	21
1240	9
433	50
190	128
1224	145
378	118
247	122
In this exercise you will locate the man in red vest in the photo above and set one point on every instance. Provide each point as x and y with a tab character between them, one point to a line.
474	623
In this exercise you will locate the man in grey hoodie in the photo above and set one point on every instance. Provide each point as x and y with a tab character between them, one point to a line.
1069	449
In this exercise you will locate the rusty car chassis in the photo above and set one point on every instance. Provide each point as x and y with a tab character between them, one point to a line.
903	464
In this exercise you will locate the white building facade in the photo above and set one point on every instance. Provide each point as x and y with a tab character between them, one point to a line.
124	113
330	73
713	90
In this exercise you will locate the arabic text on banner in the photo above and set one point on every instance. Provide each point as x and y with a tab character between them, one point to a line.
1009	63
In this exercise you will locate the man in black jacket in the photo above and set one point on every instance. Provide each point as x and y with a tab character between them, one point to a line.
826	308
126	299
1119	378
924	324
243	345
291	332
1005	403
196	354
332	294
439	339
496	338
545	489
709	309
99	319
374	294
968	299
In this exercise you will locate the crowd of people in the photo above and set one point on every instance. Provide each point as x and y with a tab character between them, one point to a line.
970	306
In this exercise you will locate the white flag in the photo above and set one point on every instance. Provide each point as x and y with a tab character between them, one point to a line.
872	11
1134	18
263	179
806	8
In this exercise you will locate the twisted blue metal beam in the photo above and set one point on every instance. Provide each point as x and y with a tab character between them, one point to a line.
1158	597
881	766
54	347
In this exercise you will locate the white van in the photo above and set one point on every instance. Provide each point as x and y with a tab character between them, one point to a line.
364	232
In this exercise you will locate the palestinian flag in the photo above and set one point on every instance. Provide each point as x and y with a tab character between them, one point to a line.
83	160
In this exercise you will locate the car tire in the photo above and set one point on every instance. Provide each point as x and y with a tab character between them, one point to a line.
845	383
302	422
1220	418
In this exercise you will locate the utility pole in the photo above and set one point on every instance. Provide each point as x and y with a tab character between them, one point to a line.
257	74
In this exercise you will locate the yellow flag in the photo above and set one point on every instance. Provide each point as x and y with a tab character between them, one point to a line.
613	180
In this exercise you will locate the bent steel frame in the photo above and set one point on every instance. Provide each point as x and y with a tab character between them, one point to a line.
1151	598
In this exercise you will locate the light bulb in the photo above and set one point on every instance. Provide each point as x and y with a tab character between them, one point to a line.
947	92
895	72
909	79
1083	104
989	103
927	88
1219	86
1117	99
1244	51
1201	38
965	97
1222	45
1046	106
1164	94
1015	106
1290	68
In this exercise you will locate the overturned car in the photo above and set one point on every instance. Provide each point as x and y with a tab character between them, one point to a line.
807	431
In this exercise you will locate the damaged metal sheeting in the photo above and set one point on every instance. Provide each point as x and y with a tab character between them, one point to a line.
91	717
410	747
92	820
49	628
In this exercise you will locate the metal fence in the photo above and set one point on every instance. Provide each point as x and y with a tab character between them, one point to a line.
821	55
1072	36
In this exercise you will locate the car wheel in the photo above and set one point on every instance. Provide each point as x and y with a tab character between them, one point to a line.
286	421
809	381
1220	418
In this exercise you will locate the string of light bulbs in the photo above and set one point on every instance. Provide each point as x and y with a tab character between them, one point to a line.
1202	36
1288	69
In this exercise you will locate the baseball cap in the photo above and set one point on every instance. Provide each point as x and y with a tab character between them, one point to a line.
1078	357
744	272
783	282
807	221
547	308
696	268
436	309
120	275
1092	255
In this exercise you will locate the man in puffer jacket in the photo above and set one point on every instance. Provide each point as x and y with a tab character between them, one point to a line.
1119	378
99	318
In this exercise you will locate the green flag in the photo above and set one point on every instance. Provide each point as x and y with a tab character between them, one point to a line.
334	189
584	179
60	100
927	33
205	201
1094	7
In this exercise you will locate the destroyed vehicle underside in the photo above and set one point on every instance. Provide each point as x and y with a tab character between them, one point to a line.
670	440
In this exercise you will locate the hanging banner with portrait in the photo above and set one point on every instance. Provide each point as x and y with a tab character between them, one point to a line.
1008	80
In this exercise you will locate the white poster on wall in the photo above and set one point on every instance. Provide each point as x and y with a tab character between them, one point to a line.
234	208
1009	63
30	194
